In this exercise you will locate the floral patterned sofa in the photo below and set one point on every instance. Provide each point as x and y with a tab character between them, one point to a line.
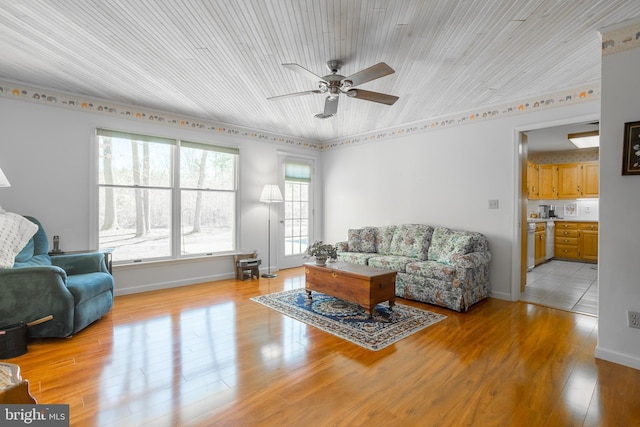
440	266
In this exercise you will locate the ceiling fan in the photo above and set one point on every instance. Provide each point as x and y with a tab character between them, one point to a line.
333	84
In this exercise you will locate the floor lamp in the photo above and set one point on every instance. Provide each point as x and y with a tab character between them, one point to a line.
270	194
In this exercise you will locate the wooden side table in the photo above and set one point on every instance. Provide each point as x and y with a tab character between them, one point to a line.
13	389
247	263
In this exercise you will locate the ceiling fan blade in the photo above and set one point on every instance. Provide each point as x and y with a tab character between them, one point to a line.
371	73
367	95
331	106
291	95
304	72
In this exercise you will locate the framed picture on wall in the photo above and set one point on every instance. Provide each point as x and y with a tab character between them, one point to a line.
570	209
631	149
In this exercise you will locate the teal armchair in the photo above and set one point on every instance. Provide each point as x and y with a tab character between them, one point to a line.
77	289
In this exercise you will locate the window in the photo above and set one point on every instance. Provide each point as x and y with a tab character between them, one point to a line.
164	198
297	177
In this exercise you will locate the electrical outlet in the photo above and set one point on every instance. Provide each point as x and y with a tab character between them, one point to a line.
493	204
633	319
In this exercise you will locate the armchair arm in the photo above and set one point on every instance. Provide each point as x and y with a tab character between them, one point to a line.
91	262
30	293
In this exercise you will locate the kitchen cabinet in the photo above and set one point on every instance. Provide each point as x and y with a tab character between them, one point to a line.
541	243
590	179
566	240
578	180
588	241
532	180
576	241
569	181
563	181
547	181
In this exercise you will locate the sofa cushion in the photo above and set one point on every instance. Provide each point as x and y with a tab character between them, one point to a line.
390	262
383	239
411	240
446	243
355	257
362	239
15	233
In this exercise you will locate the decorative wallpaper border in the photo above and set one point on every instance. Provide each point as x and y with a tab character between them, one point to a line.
74	102
560	99
621	39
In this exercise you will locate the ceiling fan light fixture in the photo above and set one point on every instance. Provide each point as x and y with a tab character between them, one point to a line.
347	84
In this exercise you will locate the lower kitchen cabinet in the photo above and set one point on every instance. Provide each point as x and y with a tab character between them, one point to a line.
576	241
588	241
541	243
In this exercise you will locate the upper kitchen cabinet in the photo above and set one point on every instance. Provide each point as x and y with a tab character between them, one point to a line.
563	181
548	181
569	181
591	179
532	181
576	180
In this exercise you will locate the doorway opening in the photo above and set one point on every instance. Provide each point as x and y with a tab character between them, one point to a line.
556	268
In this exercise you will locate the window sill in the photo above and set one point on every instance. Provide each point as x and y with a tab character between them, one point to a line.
131	265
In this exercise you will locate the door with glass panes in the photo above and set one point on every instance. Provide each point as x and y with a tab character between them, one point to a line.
295	214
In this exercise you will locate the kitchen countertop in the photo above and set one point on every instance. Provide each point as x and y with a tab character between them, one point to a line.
560	219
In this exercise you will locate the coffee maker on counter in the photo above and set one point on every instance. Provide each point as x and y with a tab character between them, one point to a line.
552	211
543	211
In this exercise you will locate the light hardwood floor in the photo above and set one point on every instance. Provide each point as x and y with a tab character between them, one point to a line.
207	355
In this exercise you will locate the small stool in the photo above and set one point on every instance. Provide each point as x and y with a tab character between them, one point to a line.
247	265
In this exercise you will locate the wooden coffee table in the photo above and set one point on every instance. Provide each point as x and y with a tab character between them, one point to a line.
360	284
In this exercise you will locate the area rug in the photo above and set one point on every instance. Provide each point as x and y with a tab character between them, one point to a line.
350	321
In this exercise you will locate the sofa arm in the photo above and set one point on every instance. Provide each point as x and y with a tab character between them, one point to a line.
471	260
342	246
91	262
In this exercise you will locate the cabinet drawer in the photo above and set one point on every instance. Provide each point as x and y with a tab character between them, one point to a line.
567	241
566	233
566	225
562	251
592	226
541	226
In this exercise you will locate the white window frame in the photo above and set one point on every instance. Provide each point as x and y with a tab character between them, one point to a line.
176	223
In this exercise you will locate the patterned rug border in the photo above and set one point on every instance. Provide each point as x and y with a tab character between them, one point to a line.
375	341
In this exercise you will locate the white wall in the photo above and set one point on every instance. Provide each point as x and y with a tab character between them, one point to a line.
46	153
619	251
444	177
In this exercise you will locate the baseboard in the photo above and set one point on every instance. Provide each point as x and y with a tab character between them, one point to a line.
501	295
172	284
619	358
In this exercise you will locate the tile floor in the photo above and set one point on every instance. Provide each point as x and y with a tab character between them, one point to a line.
566	285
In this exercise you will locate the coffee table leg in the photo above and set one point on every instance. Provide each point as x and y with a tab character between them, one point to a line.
392	302
308	294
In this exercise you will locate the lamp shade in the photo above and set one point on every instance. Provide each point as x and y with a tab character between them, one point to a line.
271	194
4	182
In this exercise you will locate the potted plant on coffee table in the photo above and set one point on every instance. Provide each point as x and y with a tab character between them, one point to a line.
322	252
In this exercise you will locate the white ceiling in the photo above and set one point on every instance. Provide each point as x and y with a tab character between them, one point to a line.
219	60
